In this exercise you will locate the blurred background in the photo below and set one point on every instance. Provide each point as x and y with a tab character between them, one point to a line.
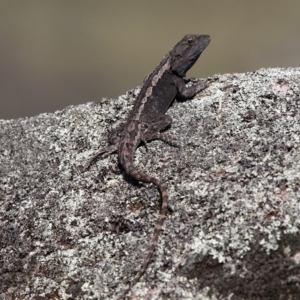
62	52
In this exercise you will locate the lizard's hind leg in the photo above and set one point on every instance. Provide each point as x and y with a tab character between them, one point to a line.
153	132
167	138
104	151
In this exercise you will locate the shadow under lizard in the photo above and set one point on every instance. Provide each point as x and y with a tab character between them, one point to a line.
148	121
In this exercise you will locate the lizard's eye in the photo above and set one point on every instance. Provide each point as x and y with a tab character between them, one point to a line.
178	55
190	41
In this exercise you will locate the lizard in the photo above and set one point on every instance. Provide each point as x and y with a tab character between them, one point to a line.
148	121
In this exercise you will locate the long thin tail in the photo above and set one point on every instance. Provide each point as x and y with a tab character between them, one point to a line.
163	212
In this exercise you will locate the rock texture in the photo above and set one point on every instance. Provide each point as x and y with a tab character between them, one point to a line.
233	232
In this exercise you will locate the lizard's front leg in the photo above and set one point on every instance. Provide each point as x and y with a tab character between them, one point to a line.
187	92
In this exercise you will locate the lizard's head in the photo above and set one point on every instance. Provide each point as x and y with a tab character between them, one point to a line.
187	51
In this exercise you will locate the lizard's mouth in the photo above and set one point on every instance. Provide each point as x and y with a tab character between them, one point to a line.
187	52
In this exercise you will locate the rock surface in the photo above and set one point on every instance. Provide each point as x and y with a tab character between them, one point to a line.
234	186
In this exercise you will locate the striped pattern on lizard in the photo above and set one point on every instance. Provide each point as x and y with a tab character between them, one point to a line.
147	121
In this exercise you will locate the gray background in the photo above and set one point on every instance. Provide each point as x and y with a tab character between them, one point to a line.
58	53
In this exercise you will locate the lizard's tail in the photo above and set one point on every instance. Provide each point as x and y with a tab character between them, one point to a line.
163	212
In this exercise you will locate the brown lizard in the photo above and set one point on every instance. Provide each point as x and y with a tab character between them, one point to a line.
147	120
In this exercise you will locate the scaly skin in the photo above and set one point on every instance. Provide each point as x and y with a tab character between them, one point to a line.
147	119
